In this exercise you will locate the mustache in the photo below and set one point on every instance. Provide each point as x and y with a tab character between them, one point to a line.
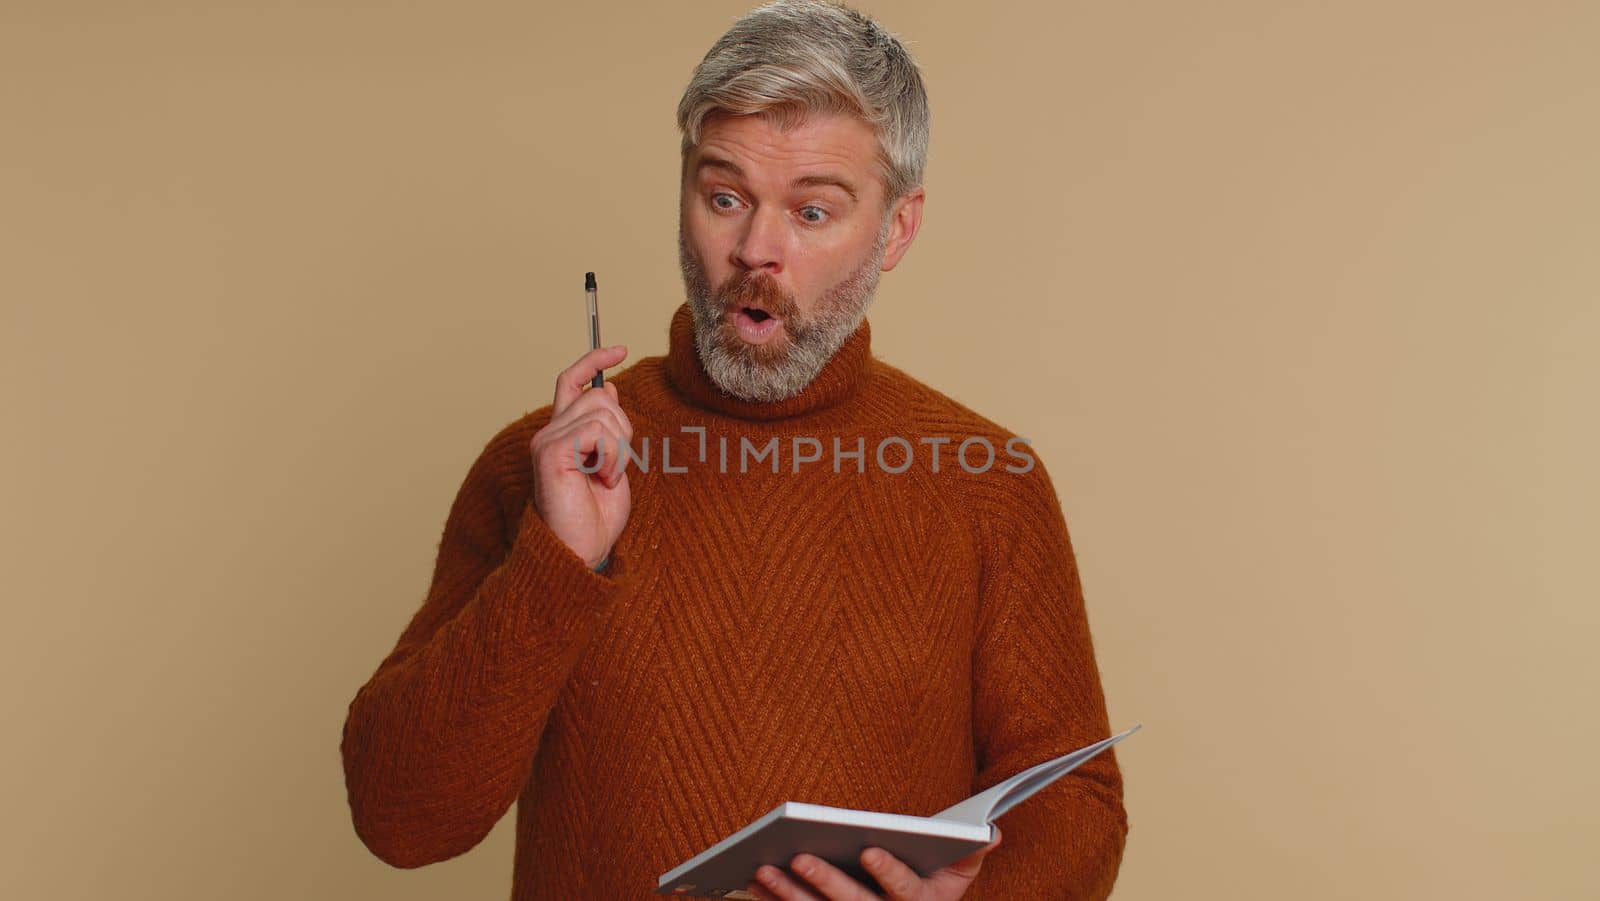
755	289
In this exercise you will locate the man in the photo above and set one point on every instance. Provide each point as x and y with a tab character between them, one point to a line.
763	567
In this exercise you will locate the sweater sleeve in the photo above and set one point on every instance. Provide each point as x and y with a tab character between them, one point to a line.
439	743
1036	696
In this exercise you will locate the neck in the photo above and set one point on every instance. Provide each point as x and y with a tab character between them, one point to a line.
842	377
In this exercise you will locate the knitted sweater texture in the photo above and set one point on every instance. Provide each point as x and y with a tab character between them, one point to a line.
892	631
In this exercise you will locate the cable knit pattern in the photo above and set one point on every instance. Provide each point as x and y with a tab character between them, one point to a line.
841	634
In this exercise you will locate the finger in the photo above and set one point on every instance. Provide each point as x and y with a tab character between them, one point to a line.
606	410
616	454
568	449
755	888
778	883
553	443
897	879
583	410
831	880
603	460
590	400
615	406
570	383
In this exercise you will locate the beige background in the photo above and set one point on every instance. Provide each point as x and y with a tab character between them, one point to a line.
1299	304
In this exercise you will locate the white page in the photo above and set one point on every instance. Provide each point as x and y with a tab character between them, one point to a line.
995	800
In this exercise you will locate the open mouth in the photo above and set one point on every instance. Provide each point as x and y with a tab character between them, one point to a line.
755	326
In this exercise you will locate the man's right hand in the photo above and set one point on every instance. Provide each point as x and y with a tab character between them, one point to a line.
586	510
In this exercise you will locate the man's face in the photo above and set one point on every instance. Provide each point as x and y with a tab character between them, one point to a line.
781	237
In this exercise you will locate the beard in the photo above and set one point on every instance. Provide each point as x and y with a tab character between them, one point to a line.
784	365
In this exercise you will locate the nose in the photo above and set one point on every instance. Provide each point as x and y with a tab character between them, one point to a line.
762	244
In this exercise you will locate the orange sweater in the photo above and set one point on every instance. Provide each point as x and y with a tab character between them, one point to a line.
842	634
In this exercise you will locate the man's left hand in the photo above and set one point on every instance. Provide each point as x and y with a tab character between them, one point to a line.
829	883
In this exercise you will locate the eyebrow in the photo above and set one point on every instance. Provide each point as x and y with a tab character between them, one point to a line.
804	181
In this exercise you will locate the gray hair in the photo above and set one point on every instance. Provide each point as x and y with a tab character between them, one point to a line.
791	58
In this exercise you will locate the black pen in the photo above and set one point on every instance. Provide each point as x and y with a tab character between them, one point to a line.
590	293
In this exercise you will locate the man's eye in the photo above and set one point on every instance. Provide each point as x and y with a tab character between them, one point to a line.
719	195
822	215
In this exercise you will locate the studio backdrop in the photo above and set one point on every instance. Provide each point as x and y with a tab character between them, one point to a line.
1297	302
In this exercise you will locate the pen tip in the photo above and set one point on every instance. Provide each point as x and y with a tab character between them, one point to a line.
588	281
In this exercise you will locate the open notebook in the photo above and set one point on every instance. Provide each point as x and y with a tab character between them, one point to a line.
839	835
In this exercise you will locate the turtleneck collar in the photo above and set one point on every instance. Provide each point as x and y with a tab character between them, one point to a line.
841	377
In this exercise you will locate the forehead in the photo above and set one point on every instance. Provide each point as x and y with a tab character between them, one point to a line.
821	141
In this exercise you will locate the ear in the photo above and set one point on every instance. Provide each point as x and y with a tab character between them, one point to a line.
906	219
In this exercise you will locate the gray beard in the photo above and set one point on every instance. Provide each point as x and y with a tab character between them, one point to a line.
759	373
